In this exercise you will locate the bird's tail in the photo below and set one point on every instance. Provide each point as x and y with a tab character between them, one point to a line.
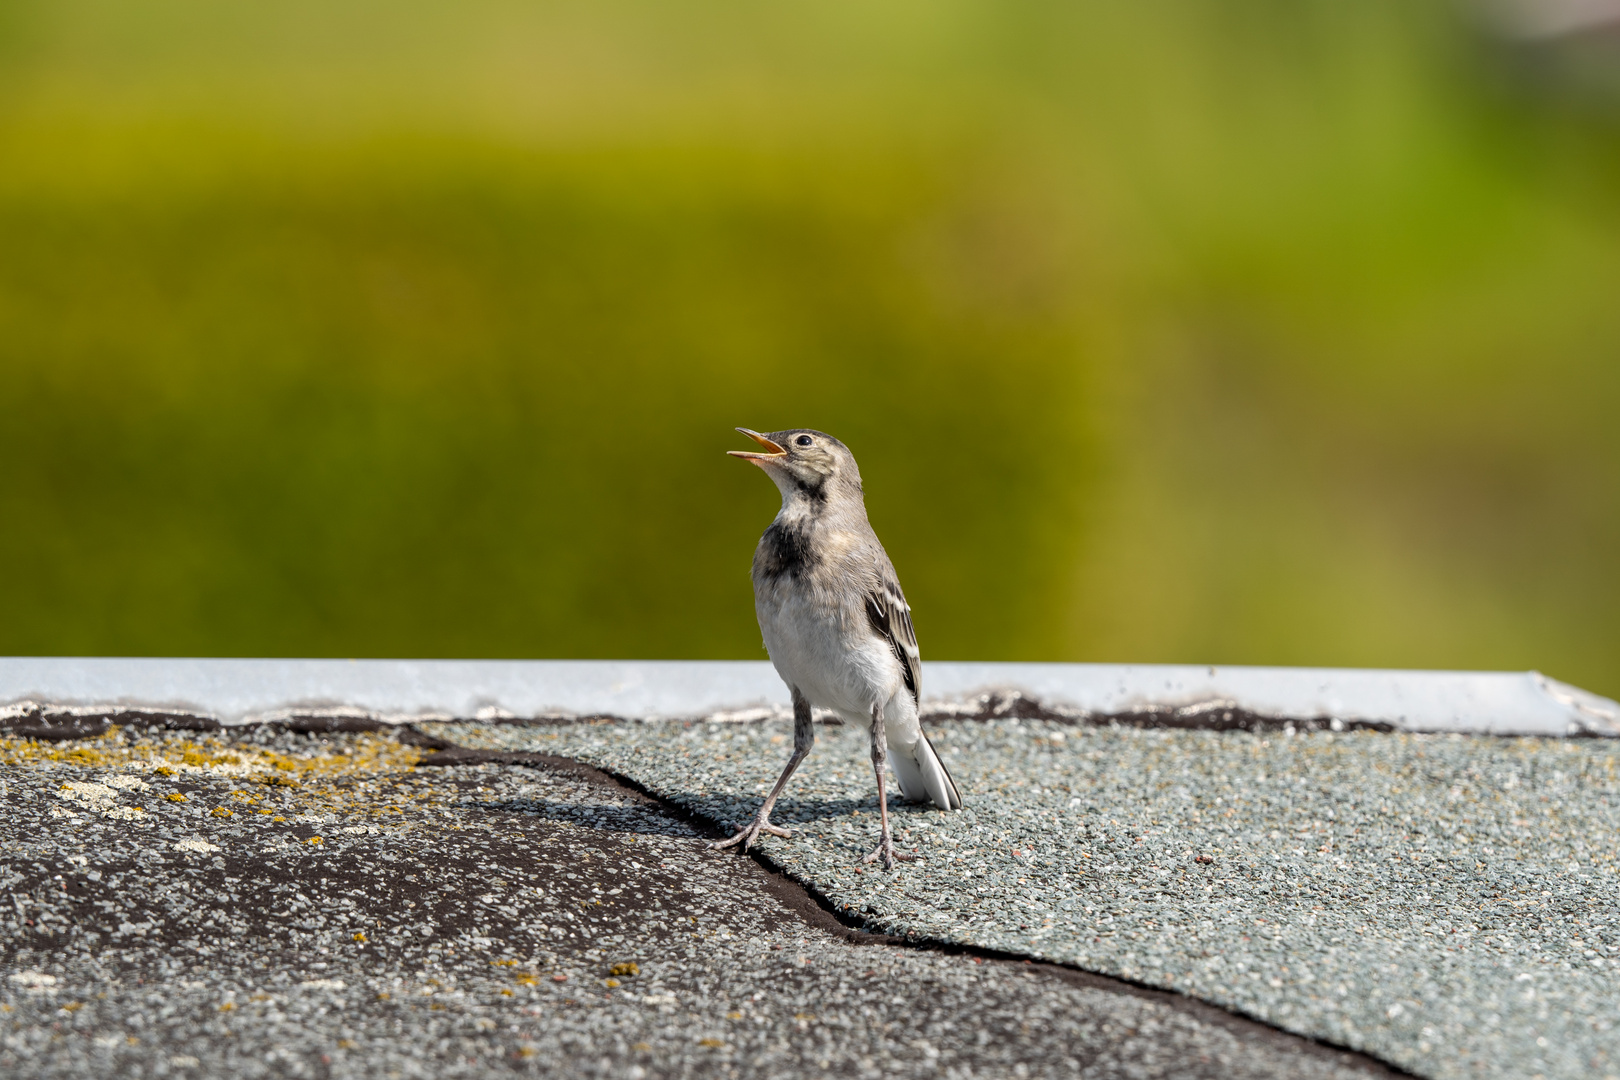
923	775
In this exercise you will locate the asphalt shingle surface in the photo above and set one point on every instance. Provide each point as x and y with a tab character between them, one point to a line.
267	903
1447	903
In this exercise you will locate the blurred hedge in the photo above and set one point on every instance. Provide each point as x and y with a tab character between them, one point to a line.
1255	332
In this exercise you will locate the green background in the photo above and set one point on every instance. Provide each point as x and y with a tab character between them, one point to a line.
1227	332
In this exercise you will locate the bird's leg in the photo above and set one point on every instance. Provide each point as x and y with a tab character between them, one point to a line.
880	763
804	737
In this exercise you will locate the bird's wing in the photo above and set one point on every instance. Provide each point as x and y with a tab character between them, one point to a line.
890	616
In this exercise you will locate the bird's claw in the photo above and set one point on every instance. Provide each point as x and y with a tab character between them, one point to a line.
885	851
749	833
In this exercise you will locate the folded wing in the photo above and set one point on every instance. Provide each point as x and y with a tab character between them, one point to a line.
921	772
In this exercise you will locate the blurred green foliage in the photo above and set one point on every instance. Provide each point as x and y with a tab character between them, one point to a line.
1233	332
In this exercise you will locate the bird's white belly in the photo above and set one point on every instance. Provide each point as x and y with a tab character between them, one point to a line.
836	665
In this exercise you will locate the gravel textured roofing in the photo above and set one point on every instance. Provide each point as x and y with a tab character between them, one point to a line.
1447	903
272	901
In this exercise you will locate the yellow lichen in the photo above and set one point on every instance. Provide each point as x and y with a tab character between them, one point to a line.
294	784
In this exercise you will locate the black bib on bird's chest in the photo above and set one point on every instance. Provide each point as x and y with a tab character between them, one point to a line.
785	549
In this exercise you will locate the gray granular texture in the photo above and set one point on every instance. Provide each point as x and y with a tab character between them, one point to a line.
1446	903
266	904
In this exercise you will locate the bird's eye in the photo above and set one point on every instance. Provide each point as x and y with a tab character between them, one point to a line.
804	440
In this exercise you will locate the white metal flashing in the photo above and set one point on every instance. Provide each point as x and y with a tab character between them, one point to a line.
243	691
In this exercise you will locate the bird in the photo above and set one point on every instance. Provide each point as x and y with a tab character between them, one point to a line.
837	626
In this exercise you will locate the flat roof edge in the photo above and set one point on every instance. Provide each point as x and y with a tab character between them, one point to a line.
236	691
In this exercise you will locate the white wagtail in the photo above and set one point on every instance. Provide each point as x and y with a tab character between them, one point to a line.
836	624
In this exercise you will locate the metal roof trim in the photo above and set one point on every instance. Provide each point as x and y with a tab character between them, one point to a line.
235	691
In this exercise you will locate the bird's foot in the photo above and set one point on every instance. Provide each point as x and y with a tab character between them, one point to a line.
749	833
885	851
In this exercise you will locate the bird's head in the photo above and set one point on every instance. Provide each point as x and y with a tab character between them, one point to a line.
804	462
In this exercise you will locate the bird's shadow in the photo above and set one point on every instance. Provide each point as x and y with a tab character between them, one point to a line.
643	820
806	810
789	813
656	820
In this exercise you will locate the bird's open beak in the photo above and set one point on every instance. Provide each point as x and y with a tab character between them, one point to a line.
772	450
